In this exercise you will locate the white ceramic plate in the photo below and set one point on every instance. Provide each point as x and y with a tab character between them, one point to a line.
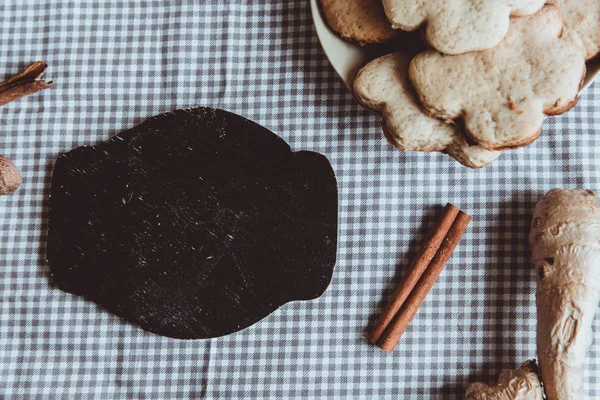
348	58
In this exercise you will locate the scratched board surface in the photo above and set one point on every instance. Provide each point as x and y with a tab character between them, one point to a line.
195	224
117	63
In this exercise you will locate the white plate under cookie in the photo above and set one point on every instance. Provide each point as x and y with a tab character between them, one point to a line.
348	58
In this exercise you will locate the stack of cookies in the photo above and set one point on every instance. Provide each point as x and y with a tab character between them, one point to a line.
493	70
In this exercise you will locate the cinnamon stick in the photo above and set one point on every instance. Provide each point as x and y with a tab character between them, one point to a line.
23	84
395	330
416	270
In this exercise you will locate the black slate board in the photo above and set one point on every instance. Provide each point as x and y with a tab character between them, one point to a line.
194	224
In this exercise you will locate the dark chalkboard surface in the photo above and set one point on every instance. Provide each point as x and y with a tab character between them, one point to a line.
194	224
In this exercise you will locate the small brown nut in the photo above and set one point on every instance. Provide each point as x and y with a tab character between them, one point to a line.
10	177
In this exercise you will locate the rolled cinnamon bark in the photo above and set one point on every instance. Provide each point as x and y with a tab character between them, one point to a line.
416	270
397	327
23	84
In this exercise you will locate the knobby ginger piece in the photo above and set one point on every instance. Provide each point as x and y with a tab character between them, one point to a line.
10	177
565	245
520	384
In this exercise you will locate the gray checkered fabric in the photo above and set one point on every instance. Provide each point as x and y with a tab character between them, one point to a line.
116	63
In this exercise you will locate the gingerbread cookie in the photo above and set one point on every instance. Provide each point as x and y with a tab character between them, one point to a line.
583	16
363	21
459	26
383	86
502	94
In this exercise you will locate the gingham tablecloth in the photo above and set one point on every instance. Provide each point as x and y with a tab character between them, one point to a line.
116	63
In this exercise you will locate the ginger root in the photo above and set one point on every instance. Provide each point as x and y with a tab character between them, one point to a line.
10	177
520	384
565	245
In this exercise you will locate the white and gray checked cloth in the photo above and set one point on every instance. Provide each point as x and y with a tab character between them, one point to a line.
115	63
